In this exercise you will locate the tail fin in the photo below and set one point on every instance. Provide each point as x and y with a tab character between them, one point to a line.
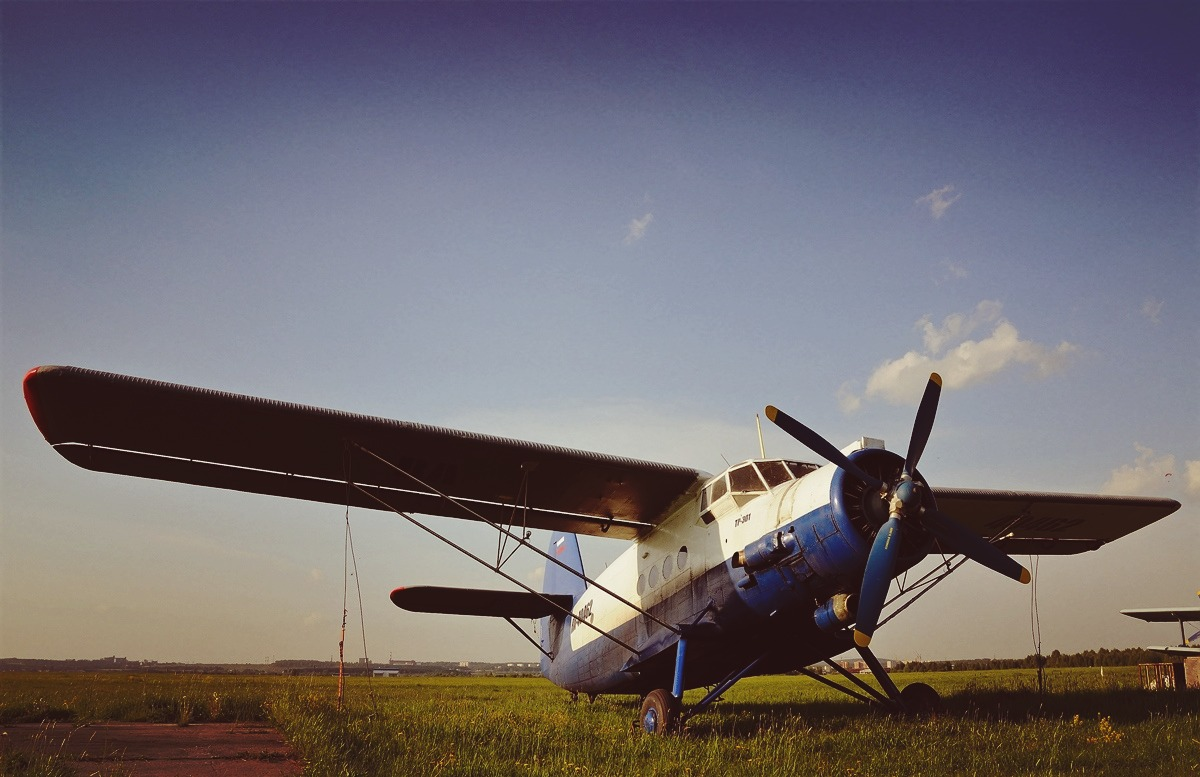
564	547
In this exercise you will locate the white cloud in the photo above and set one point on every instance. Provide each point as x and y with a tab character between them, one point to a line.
953	271
847	399
960	362
957	326
637	229
939	200
1191	482
1152	309
1154	474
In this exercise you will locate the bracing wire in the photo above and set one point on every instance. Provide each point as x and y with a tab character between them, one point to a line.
350	566
1035	625
361	618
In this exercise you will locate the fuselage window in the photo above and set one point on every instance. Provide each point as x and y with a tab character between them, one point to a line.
681	560
668	568
641	588
774	472
745	479
654	576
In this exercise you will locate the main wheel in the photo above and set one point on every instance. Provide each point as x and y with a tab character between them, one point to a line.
660	712
920	699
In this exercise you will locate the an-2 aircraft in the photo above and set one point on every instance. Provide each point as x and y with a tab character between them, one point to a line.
770	566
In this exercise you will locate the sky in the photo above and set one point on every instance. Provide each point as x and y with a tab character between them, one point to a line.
619	227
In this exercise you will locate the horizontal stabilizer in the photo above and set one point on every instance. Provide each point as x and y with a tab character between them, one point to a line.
477	601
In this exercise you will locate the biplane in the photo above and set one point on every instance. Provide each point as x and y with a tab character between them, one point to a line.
1188	647
772	565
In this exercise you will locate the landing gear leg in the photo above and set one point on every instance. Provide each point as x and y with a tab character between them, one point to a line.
916	698
660	708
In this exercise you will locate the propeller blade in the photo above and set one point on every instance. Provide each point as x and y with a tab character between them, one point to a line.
924	423
819	445
957	538
877	578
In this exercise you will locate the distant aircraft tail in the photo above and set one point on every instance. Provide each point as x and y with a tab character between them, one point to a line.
565	548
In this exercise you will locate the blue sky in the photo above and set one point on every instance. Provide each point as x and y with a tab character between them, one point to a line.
619	227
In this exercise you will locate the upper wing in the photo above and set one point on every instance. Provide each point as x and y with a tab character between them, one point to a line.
1165	614
133	426
1046	524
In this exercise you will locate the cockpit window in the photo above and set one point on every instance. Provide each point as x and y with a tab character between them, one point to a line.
745	478
774	472
800	468
718	489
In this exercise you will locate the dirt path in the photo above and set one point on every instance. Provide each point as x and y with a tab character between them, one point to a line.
159	750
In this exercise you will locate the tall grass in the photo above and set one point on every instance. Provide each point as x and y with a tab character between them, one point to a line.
995	723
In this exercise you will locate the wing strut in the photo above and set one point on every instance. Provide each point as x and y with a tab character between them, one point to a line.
500	572
674	629
933	576
518	539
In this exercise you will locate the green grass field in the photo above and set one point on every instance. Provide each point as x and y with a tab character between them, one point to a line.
995	723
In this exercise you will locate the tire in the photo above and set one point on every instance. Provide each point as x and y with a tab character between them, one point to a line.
660	712
921	700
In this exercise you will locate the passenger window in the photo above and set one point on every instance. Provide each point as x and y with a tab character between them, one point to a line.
668	568
745	479
654	576
681	560
641	587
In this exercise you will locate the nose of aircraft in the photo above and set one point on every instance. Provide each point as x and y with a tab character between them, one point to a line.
904	505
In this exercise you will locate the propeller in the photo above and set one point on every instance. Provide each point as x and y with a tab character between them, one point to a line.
820	446
904	505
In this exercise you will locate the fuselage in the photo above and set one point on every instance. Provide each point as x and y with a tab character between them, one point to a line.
748	567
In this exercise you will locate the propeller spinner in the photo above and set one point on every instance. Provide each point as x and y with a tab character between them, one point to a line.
904	507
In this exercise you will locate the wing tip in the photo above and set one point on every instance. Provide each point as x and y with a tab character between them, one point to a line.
30	388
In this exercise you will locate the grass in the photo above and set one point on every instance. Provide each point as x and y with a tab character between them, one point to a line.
995	723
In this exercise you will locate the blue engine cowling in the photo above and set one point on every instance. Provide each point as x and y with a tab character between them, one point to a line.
821	554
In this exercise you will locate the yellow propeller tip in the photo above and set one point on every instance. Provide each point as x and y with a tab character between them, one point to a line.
933	376
860	639
1025	576
771	412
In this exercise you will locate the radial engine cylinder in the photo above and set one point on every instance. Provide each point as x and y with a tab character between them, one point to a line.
837	613
764	552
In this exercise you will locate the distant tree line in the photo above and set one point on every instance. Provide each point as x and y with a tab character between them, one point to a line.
1057	659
